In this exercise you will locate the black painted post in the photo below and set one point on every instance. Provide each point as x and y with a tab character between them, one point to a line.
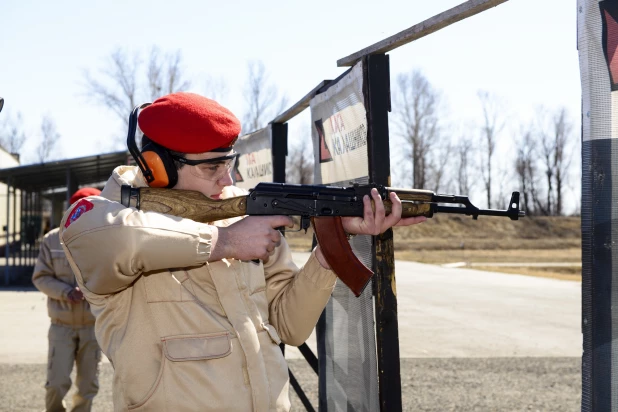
377	95
279	150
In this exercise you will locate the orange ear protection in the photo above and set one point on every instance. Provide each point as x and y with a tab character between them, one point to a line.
154	160
160	162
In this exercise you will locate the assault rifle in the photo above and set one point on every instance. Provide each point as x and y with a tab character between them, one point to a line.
321	206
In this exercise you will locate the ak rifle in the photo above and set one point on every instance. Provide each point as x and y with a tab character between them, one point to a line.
320	206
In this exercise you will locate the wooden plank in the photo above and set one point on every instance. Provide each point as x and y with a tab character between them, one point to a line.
301	105
433	24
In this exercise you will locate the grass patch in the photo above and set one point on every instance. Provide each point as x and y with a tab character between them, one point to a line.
448	239
562	273
478	257
441	256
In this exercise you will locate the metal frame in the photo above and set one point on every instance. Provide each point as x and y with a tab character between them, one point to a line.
377	95
279	153
33	183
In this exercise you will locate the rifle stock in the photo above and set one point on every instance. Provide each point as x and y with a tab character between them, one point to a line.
186	203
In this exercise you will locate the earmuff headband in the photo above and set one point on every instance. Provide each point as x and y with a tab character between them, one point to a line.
132	145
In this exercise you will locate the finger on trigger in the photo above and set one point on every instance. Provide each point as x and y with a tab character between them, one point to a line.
280	220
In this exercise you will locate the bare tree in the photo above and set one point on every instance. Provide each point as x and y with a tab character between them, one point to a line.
525	168
417	122
49	138
117	89
546	156
120	85
165	73
554	132
465	153
491	128
300	164
438	167
562	160
12	134
262	98
505	177
215	88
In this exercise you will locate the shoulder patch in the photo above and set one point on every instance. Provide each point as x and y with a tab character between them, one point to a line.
80	208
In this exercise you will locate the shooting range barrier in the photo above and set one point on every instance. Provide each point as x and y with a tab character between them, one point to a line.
597	27
357	338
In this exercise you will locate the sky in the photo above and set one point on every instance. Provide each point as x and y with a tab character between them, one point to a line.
523	51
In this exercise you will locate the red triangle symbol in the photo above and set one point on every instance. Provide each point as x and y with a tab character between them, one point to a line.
611	45
325	155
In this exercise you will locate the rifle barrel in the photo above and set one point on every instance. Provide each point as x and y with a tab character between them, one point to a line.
514	214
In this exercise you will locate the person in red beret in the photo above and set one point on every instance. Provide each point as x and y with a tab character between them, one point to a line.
71	334
191	315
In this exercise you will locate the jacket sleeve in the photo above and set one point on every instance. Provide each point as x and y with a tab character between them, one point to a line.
110	246
44	278
296	297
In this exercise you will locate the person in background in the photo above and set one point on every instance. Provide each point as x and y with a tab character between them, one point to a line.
71	334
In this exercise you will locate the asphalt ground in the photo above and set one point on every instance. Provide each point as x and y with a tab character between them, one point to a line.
469	341
428	384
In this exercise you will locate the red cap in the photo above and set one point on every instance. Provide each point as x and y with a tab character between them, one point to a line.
189	123
84	192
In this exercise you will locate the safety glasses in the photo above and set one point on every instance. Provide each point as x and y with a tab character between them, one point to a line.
210	169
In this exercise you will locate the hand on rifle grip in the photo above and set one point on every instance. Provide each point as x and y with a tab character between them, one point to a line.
254	237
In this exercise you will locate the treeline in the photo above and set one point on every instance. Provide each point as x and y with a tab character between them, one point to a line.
126	79
491	157
13	136
495	155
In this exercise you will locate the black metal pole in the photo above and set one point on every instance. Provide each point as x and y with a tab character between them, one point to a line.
377	95
599	79
301	394
13	251
279	153
279	150
7	274
21	227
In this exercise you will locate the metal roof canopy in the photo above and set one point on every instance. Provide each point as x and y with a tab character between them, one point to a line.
82	170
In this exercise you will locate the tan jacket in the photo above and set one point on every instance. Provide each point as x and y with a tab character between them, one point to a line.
53	276
184	334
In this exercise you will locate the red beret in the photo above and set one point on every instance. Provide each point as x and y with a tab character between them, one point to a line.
189	123
84	192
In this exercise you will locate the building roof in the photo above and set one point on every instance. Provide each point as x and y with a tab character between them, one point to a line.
87	170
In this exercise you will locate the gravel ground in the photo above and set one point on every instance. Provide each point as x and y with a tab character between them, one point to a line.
444	384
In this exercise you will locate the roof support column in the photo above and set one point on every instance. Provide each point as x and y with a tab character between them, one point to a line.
7	274
71	183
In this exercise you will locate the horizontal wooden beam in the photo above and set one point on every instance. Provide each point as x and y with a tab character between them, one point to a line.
433	24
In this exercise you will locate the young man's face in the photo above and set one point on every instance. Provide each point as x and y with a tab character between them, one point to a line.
207	178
